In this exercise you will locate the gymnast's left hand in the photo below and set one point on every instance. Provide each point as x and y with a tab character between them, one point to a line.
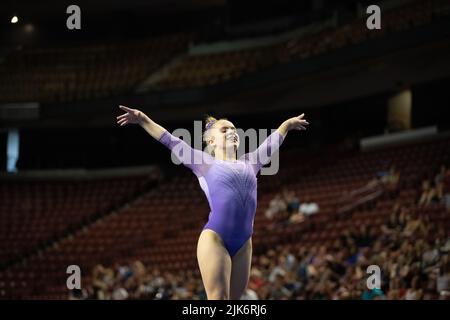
297	123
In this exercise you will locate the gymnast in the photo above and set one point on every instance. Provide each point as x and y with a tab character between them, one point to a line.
224	248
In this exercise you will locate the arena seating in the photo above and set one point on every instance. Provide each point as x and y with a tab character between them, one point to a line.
86	71
161	227
36	213
89	71
210	69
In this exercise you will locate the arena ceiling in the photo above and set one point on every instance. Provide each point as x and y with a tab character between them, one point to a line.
45	10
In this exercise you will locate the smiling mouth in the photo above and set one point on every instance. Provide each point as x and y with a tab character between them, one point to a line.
232	138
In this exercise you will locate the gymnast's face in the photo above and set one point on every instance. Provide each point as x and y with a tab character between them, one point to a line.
224	135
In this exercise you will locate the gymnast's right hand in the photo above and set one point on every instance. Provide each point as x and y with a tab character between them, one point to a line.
131	116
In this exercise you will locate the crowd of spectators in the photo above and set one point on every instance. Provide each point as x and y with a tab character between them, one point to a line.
286	206
411	250
412	253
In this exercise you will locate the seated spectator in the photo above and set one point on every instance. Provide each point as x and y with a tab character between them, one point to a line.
103	279
396	289
393	223
438	196
308	208
429	292
276	207
138	270
120	293
297	217
439	178
412	225
78	294
402	217
430	256
123	271
303	210
390	179
249	294
256	279
445	249
387	179
373	294
279	269
431	194
291	201
414	292
443	279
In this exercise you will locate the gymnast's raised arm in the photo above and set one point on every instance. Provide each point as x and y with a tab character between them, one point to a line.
272	143
138	117
196	160
295	123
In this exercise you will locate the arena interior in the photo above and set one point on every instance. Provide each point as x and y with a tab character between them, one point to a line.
368	183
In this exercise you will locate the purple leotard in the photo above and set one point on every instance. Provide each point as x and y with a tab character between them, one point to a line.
230	186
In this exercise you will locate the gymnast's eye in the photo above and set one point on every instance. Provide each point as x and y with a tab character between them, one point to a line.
224	129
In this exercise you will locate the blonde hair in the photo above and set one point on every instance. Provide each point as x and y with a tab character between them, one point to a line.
210	121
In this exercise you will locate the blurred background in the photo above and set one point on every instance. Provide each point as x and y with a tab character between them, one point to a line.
367	184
